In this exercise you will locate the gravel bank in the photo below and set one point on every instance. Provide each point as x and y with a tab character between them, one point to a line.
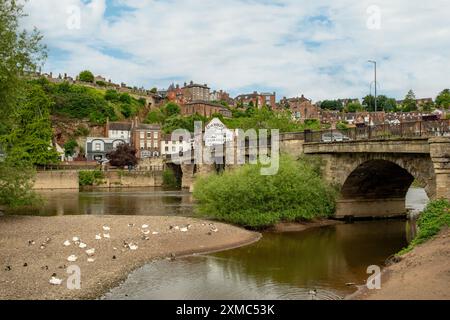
32	250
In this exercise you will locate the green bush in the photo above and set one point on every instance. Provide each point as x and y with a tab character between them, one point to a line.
170	180
245	197
86	76
435	217
91	178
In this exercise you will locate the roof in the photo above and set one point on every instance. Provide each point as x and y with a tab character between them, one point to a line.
121	126
143	126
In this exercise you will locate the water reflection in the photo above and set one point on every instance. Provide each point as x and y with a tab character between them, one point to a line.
280	266
121	201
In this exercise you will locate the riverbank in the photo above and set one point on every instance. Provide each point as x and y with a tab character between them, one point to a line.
32	250
422	274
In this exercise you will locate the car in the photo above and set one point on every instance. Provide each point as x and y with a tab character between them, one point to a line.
334	137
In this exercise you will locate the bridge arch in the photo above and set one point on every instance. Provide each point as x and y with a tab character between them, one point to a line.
377	179
376	185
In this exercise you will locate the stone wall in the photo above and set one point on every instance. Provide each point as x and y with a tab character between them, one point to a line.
48	180
120	179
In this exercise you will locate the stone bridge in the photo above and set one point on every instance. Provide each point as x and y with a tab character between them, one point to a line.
374	176
373	169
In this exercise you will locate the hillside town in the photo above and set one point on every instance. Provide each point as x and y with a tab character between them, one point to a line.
199	99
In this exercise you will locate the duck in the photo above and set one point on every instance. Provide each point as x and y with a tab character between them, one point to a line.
72	258
55	281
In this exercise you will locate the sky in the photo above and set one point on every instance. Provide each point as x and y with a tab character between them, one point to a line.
313	47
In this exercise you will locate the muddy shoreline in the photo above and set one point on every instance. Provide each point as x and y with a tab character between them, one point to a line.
32	250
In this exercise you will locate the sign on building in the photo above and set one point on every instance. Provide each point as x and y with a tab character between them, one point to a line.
216	133
146	154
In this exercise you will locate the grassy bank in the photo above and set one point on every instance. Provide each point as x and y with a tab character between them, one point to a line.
435	217
247	198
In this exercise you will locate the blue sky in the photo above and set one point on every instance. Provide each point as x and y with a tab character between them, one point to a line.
316	48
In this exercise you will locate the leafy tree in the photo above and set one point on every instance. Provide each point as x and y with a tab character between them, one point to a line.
125	98
126	110
124	155
443	99
31	139
332	105
428	106
69	147
155	117
353	107
86	76
409	103
154	90
20	52
171	109
112	95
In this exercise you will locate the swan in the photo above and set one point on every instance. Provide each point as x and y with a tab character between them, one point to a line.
66	243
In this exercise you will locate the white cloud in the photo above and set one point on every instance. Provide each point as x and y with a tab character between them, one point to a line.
319	48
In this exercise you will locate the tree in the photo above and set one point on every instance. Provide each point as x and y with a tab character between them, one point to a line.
353	107
31	139
171	109
154	90
112	95
20	53
409	103
123	155
125	98
86	76
155	117
331	105
443	99
69	147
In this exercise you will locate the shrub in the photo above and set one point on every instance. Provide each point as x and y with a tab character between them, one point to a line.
169	179
86	76
245	197
91	178
435	217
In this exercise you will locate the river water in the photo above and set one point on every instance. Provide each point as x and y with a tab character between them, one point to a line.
322	263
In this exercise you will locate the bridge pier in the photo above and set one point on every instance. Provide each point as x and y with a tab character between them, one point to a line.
363	208
191	171
440	156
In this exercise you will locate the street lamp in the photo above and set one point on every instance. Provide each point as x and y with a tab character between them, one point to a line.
375	66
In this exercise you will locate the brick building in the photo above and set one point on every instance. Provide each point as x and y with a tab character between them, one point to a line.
146	139
206	109
301	108
256	99
195	92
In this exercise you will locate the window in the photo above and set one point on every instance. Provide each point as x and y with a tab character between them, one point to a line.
149	135
98	146
174	149
155	135
142	145
167	148
142	135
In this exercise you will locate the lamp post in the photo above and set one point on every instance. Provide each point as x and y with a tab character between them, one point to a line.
375	66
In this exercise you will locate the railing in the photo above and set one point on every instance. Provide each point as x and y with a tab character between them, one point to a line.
414	129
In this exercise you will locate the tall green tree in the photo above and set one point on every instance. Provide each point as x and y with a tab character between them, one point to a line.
86	76
409	103
443	99
20	53
332	105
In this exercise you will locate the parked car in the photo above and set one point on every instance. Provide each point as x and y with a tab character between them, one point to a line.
334	137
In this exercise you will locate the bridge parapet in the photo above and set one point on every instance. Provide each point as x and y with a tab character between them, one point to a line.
405	145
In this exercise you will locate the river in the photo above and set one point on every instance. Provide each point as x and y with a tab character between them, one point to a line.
322	263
